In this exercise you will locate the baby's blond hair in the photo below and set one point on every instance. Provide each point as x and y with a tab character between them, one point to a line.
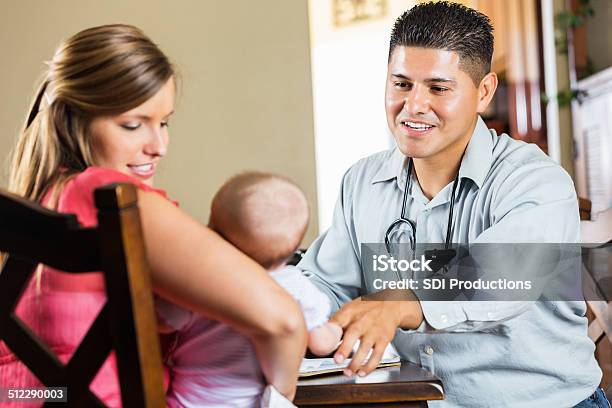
262	214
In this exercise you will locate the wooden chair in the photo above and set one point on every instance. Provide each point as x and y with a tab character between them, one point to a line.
584	206
126	324
599	314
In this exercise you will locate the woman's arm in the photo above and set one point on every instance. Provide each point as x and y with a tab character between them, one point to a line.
195	268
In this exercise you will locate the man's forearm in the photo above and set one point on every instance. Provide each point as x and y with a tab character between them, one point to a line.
405	305
412	314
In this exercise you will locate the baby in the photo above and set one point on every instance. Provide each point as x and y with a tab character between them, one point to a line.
265	216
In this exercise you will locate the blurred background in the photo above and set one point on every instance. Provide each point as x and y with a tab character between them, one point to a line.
297	87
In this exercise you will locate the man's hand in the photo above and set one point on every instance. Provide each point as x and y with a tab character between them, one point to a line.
373	320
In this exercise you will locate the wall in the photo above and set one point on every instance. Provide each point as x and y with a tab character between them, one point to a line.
599	35
349	66
246	98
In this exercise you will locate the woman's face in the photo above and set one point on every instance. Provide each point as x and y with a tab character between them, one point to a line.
133	142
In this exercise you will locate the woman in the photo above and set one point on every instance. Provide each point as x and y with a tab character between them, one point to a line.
101	116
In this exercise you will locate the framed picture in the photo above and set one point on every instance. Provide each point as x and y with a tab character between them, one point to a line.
347	12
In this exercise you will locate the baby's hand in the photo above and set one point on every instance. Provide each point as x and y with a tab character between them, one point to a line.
324	339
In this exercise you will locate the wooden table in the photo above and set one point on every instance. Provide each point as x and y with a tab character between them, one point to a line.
405	386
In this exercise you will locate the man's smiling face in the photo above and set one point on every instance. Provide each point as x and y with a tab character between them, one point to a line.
431	103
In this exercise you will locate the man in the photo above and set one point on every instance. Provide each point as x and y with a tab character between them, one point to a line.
515	354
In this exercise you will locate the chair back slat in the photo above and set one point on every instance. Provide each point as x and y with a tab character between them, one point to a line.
34	353
584	206
133	297
92	352
28	216
31	235
13	278
49	249
43	235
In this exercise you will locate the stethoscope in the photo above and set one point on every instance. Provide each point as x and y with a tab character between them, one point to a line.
441	257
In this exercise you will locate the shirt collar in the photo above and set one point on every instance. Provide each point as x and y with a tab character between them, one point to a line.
393	168
475	164
478	156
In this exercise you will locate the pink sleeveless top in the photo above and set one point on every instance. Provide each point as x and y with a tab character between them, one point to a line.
60	307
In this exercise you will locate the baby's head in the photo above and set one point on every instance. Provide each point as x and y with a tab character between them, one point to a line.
263	215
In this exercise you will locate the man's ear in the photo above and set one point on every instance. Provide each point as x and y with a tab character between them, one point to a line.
486	90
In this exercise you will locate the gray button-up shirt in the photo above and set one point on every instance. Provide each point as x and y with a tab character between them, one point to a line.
488	354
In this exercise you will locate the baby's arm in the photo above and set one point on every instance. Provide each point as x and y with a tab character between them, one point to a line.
324	339
323	336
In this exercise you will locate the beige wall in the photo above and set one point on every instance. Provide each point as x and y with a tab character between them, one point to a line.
599	35
246	98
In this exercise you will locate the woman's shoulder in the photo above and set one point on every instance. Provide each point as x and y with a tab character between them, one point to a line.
77	195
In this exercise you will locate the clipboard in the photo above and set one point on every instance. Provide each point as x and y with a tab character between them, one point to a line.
319	366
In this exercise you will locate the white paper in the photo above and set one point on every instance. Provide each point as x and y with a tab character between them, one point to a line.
310	365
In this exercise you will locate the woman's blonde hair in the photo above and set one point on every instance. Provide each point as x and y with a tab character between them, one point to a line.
100	71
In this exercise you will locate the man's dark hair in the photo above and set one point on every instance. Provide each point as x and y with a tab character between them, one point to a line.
448	26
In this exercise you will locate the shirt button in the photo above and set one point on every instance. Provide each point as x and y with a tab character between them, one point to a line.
443	318
429	350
